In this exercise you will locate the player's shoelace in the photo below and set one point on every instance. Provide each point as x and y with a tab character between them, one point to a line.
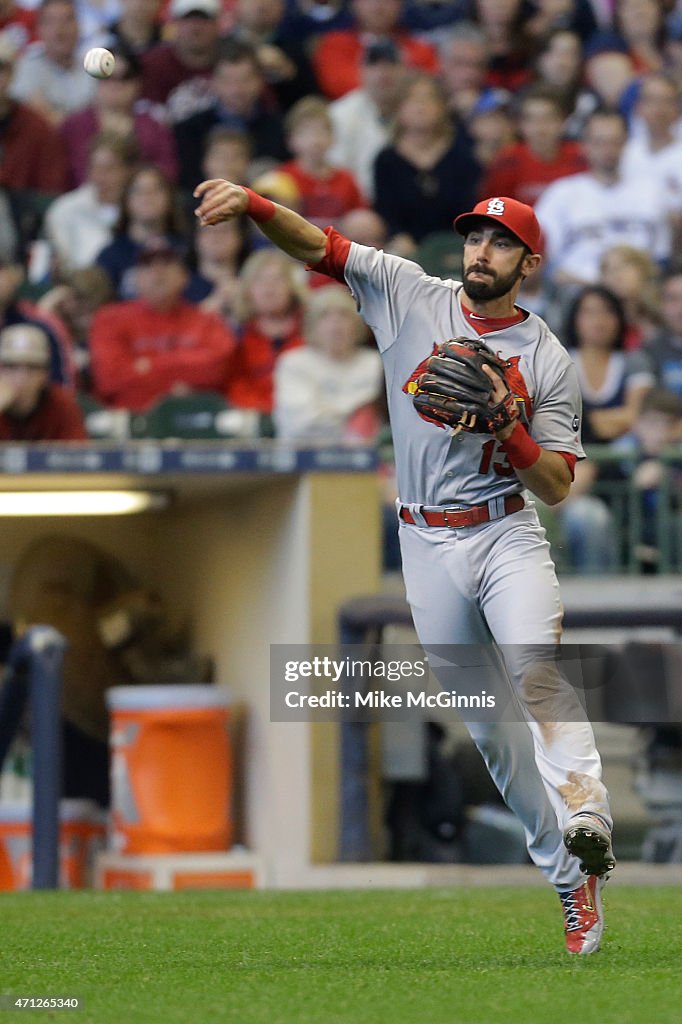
573	905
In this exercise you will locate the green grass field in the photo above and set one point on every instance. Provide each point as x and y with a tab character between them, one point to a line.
486	956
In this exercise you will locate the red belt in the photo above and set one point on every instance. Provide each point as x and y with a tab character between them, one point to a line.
463	517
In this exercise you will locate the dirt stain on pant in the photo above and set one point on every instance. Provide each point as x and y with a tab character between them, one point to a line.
580	790
549	698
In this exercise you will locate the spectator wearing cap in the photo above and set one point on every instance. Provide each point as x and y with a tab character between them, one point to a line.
283	58
584	215
159	343
14	310
338	56
137	28
115	112
361	119
541	156
31	407
463	67
327	192
80	223
33	155
177	73
49	75
429	174
238	103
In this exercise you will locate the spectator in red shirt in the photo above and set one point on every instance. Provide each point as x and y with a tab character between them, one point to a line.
523	170
158	343
177	73
269	306
33	155
338	55
32	408
327	192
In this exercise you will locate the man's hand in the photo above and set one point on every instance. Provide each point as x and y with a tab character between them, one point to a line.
220	201
498	394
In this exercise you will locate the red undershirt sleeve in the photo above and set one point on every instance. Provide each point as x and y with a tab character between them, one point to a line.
570	460
335	258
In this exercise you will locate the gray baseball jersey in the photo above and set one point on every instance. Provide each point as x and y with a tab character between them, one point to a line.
410	312
494	582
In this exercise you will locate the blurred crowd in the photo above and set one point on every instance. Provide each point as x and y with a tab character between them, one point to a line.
387	118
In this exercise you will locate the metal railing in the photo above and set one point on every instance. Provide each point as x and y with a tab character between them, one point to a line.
34	674
648	533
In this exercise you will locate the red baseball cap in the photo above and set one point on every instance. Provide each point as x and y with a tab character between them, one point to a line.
515	216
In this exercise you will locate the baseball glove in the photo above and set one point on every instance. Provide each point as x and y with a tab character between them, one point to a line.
454	391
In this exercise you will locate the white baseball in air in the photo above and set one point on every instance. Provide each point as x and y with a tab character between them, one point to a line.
99	62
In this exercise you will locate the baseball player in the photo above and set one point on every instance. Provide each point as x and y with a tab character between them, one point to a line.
474	428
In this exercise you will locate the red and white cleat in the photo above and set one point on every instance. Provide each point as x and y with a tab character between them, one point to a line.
583	916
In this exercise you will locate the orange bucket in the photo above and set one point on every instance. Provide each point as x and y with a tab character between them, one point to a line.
81	834
171	769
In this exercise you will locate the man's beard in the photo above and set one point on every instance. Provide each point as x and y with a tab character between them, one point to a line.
495	287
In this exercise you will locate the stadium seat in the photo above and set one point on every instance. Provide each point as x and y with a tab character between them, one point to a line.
101	423
202	415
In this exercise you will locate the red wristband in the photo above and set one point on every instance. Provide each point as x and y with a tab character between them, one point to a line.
259	209
520	448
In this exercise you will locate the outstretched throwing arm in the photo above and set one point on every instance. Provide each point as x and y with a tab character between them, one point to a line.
222	200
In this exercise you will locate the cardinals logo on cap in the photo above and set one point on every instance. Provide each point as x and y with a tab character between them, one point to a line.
495	208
